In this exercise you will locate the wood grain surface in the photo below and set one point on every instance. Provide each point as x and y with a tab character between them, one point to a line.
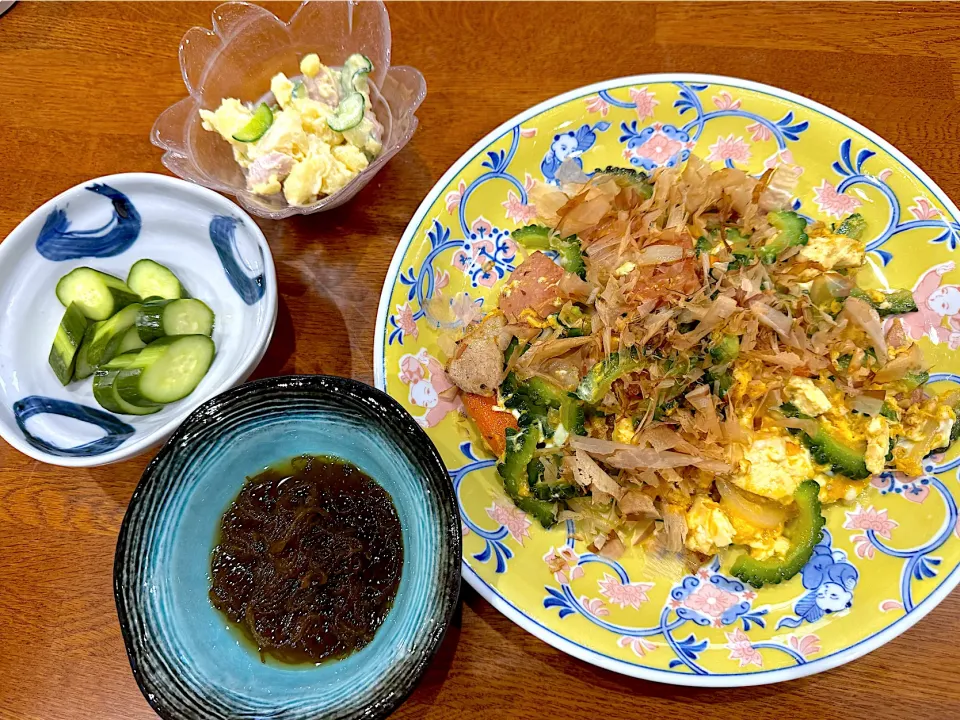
80	87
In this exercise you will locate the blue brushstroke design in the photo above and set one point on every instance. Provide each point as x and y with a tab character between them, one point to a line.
58	242
117	430
223	235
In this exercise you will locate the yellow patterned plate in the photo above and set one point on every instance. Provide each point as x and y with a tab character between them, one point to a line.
886	560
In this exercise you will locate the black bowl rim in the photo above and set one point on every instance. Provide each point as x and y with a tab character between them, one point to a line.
323	383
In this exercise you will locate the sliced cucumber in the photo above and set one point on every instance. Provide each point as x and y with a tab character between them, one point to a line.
355	66
131	341
166	370
105	392
84	369
109	334
97	294
349	113
258	125
149	278
159	318
66	343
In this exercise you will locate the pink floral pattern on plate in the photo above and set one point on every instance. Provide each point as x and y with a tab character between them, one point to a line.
742	649
645	102
639	645
729	148
564	564
711	601
807	645
452	198
512	518
596	104
923	210
725	101
594	606
516	210
833	203
624	594
868	519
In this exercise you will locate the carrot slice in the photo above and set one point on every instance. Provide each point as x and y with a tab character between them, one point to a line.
492	423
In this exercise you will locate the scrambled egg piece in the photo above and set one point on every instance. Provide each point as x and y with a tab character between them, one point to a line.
623	430
299	154
764	543
773	466
808	398
878	443
310	65
708	527
834	488
227	120
834	251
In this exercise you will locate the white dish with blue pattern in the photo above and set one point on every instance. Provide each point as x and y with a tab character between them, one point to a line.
108	224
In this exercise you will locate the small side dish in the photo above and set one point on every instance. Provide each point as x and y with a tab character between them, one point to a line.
145	341
316	133
695	367
308	559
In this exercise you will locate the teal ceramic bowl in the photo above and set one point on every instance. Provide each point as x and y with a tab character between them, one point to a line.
187	662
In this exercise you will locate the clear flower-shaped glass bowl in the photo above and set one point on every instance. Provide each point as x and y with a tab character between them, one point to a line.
247	46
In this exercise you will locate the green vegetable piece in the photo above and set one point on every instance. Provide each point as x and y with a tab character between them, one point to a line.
895	302
257	125
575	321
843	362
597	382
791	227
515	473
703	245
105	392
353	74
159	318
843	460
67	342
852	226
804	531
720	384
84	369
912	380
166	370
628	177
299	90
540	237
149	278
544	403
349	112
109	334
726	350
97	294
889	412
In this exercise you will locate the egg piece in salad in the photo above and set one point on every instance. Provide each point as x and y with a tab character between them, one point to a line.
319	135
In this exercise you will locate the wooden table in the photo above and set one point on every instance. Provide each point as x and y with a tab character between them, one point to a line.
80	87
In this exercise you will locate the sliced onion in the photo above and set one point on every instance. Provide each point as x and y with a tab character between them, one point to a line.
829	287
675	528
866	318
756	512
773	319
810	427
570	172
702	401
572	286
657	254
900	365
868	403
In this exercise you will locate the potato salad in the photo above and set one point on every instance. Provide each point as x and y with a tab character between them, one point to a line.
316	135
